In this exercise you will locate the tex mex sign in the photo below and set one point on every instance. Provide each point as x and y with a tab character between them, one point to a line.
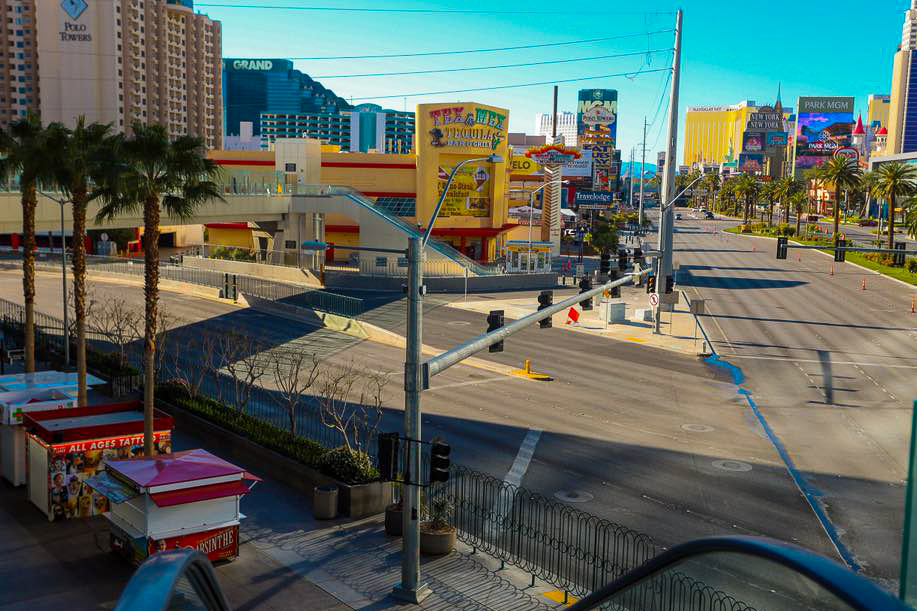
467	127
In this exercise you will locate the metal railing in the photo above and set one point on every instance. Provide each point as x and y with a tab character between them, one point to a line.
174	579
324	301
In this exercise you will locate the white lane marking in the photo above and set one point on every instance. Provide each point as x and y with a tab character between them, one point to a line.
470	383
523	458
503	501
792	359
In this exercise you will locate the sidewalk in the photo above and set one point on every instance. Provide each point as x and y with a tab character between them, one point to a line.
288	560
677	331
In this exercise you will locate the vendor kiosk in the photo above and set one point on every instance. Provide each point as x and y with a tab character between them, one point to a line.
67	447
183	500
523	256
12	436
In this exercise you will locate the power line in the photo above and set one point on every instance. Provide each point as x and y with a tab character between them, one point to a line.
441	70
632	74
331	9
466	51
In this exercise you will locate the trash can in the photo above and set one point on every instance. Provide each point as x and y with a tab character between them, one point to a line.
325	502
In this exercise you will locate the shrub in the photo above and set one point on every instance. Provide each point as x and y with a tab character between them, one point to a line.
283	442
881	258
348	466
108	363
912	266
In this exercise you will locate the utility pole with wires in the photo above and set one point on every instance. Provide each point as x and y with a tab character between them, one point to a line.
632	149
642	171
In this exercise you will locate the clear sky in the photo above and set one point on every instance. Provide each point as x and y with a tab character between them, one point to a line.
732	51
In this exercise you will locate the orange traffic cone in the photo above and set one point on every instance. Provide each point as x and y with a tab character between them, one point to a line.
913	305
863	288
832	270
799	258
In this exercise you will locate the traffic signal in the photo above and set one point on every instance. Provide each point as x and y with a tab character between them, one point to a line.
669	284
585	285
651	284
494	322
622	260
638	256
840	255
615	290
545	299
439	461
782	247
604	263
388	455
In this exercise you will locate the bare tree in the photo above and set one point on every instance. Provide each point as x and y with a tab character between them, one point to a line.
241	357
165	322
116	321
295	372
202	346
356	422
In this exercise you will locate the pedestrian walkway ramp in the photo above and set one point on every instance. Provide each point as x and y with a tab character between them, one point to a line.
716	574
380	228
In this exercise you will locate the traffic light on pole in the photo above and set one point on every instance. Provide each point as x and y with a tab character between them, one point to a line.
900	256
638	256
622	260
439	461
604	263
585	285
615	290
782	247
545	299
494	322
388	455
839	254
651	284
669	284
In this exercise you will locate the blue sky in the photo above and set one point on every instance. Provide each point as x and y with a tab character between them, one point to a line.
731	51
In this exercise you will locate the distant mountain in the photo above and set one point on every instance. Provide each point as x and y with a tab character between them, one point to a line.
626	168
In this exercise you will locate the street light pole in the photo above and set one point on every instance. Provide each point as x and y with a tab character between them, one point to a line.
411	589
63	251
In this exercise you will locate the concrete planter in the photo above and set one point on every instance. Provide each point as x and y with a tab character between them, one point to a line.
436	542
355	501
361	500
325	502
393	520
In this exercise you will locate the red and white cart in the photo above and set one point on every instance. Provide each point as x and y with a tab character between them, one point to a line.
67	447
187	499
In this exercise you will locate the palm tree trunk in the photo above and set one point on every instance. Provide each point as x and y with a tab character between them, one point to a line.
151	294
770	213
798	219
79	291
837	213
891	220
29	202
786	212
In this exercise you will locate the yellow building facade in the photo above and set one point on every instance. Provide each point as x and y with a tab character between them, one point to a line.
712	132
878	110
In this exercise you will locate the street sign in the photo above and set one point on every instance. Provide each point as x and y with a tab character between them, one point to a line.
315	246
654	299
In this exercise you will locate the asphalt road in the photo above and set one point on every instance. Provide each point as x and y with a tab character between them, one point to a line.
830	369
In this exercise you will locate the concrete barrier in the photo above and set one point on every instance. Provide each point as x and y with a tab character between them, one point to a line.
280	273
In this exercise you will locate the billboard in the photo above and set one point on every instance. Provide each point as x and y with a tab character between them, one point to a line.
823	125
581	167
776	139
751	163
470	192
752	142
463	128
597	132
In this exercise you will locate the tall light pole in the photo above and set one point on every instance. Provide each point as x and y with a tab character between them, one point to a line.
63	252
642	172
666	213
410	589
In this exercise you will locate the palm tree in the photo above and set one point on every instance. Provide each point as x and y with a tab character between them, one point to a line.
769	192
844	174
867	187
157	175
24	150
747	187
895	180
82	157
711	183
799	199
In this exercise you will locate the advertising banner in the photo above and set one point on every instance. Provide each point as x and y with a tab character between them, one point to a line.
525	166
465	128
553	154
753	142
751	163
823	125
579	167
73	463
470	192
593	200
597	108
776	139
220	544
